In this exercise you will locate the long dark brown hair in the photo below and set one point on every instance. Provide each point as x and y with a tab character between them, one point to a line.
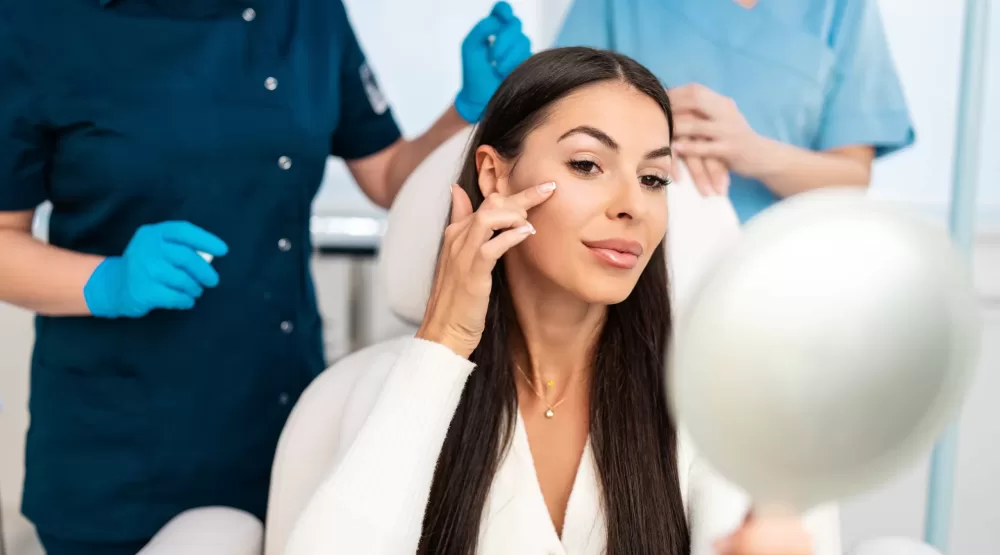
632	436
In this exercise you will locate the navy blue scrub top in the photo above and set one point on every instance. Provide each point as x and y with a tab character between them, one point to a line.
221	113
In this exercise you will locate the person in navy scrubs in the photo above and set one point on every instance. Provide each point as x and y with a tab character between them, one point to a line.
181	143
771	97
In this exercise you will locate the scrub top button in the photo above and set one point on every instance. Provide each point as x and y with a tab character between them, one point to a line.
284	162
285	245
249	15
283	399
287	327
270	83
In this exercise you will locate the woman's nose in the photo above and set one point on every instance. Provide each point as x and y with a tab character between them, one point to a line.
628	201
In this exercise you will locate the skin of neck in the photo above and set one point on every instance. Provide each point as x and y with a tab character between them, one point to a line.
560	332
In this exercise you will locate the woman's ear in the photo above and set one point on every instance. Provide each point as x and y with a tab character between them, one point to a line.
493	171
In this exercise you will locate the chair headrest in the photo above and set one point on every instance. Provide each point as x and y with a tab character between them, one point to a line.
699	230
409	249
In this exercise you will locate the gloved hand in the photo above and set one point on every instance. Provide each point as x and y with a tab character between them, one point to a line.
486	62
161	268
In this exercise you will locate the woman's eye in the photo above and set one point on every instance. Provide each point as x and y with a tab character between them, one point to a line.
655	181
585	167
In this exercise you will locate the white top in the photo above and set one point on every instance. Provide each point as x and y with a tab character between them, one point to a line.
392	430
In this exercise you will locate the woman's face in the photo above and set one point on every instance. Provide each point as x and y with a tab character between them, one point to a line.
607	148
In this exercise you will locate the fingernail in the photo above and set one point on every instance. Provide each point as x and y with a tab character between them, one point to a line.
526	229
547	187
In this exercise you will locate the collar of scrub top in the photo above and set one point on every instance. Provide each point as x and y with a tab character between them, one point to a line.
192	8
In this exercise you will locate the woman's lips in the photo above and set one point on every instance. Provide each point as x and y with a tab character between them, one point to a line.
620	253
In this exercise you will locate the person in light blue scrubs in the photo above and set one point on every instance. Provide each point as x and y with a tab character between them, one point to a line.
771	97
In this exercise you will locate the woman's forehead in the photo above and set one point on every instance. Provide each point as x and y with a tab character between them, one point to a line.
615	108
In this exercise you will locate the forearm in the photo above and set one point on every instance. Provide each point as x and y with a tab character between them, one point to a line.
409	154
43	278
787	170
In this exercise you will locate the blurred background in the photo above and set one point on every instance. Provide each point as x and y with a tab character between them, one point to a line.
420	80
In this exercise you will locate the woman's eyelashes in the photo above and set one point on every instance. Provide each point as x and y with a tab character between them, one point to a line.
655	181
584	167
589	168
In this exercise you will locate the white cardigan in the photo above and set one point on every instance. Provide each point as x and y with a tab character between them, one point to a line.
392	431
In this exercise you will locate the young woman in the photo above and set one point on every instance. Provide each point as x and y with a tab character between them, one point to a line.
528	416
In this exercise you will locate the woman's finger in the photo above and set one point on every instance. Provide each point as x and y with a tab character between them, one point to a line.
532	196
497	201
486	222
492	250
461	206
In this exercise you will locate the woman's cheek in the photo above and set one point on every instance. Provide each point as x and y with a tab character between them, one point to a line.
567	210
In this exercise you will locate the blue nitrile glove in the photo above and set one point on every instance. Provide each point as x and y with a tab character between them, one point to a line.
486	62
161	268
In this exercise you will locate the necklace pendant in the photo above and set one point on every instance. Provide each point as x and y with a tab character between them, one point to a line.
549	413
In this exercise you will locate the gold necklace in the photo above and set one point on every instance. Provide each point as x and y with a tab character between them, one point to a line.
551	409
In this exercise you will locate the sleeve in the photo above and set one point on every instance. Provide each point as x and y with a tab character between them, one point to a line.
374	500
24	151
587	23
864	103
716	508
366	123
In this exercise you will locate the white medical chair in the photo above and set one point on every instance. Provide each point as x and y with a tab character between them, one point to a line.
699	229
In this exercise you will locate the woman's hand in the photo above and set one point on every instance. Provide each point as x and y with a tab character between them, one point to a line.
710	126
456	310
768	535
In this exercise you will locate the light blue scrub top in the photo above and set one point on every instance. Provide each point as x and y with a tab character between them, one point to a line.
812	73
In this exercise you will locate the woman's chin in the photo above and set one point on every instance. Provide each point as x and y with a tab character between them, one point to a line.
607	293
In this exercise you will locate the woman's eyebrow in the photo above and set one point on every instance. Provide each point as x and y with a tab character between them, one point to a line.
607	141
661	152
594	132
